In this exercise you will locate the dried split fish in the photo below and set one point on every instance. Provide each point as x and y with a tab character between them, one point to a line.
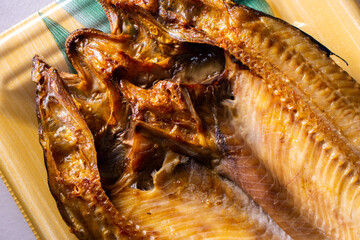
200	119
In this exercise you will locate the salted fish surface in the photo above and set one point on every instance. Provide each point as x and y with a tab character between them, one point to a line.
74	178
300	117
181	186
288	138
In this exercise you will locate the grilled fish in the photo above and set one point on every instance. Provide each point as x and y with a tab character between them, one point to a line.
200	106
141	204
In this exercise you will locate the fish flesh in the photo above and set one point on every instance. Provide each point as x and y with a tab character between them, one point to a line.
200	106
133	208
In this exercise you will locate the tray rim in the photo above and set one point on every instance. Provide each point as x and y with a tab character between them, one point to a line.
8	33
18	204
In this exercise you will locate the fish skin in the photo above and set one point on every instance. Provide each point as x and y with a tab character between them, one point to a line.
73	176
94	86
140	57
310	99
103	111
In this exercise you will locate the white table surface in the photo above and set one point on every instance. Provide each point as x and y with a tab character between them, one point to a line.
12	224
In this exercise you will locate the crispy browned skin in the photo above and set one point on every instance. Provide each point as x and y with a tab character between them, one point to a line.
196	99
70	157
112	57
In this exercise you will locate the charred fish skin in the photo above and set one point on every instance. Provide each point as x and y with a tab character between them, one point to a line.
70	158
311	89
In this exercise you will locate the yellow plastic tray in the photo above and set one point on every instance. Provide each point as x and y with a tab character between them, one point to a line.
336	24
